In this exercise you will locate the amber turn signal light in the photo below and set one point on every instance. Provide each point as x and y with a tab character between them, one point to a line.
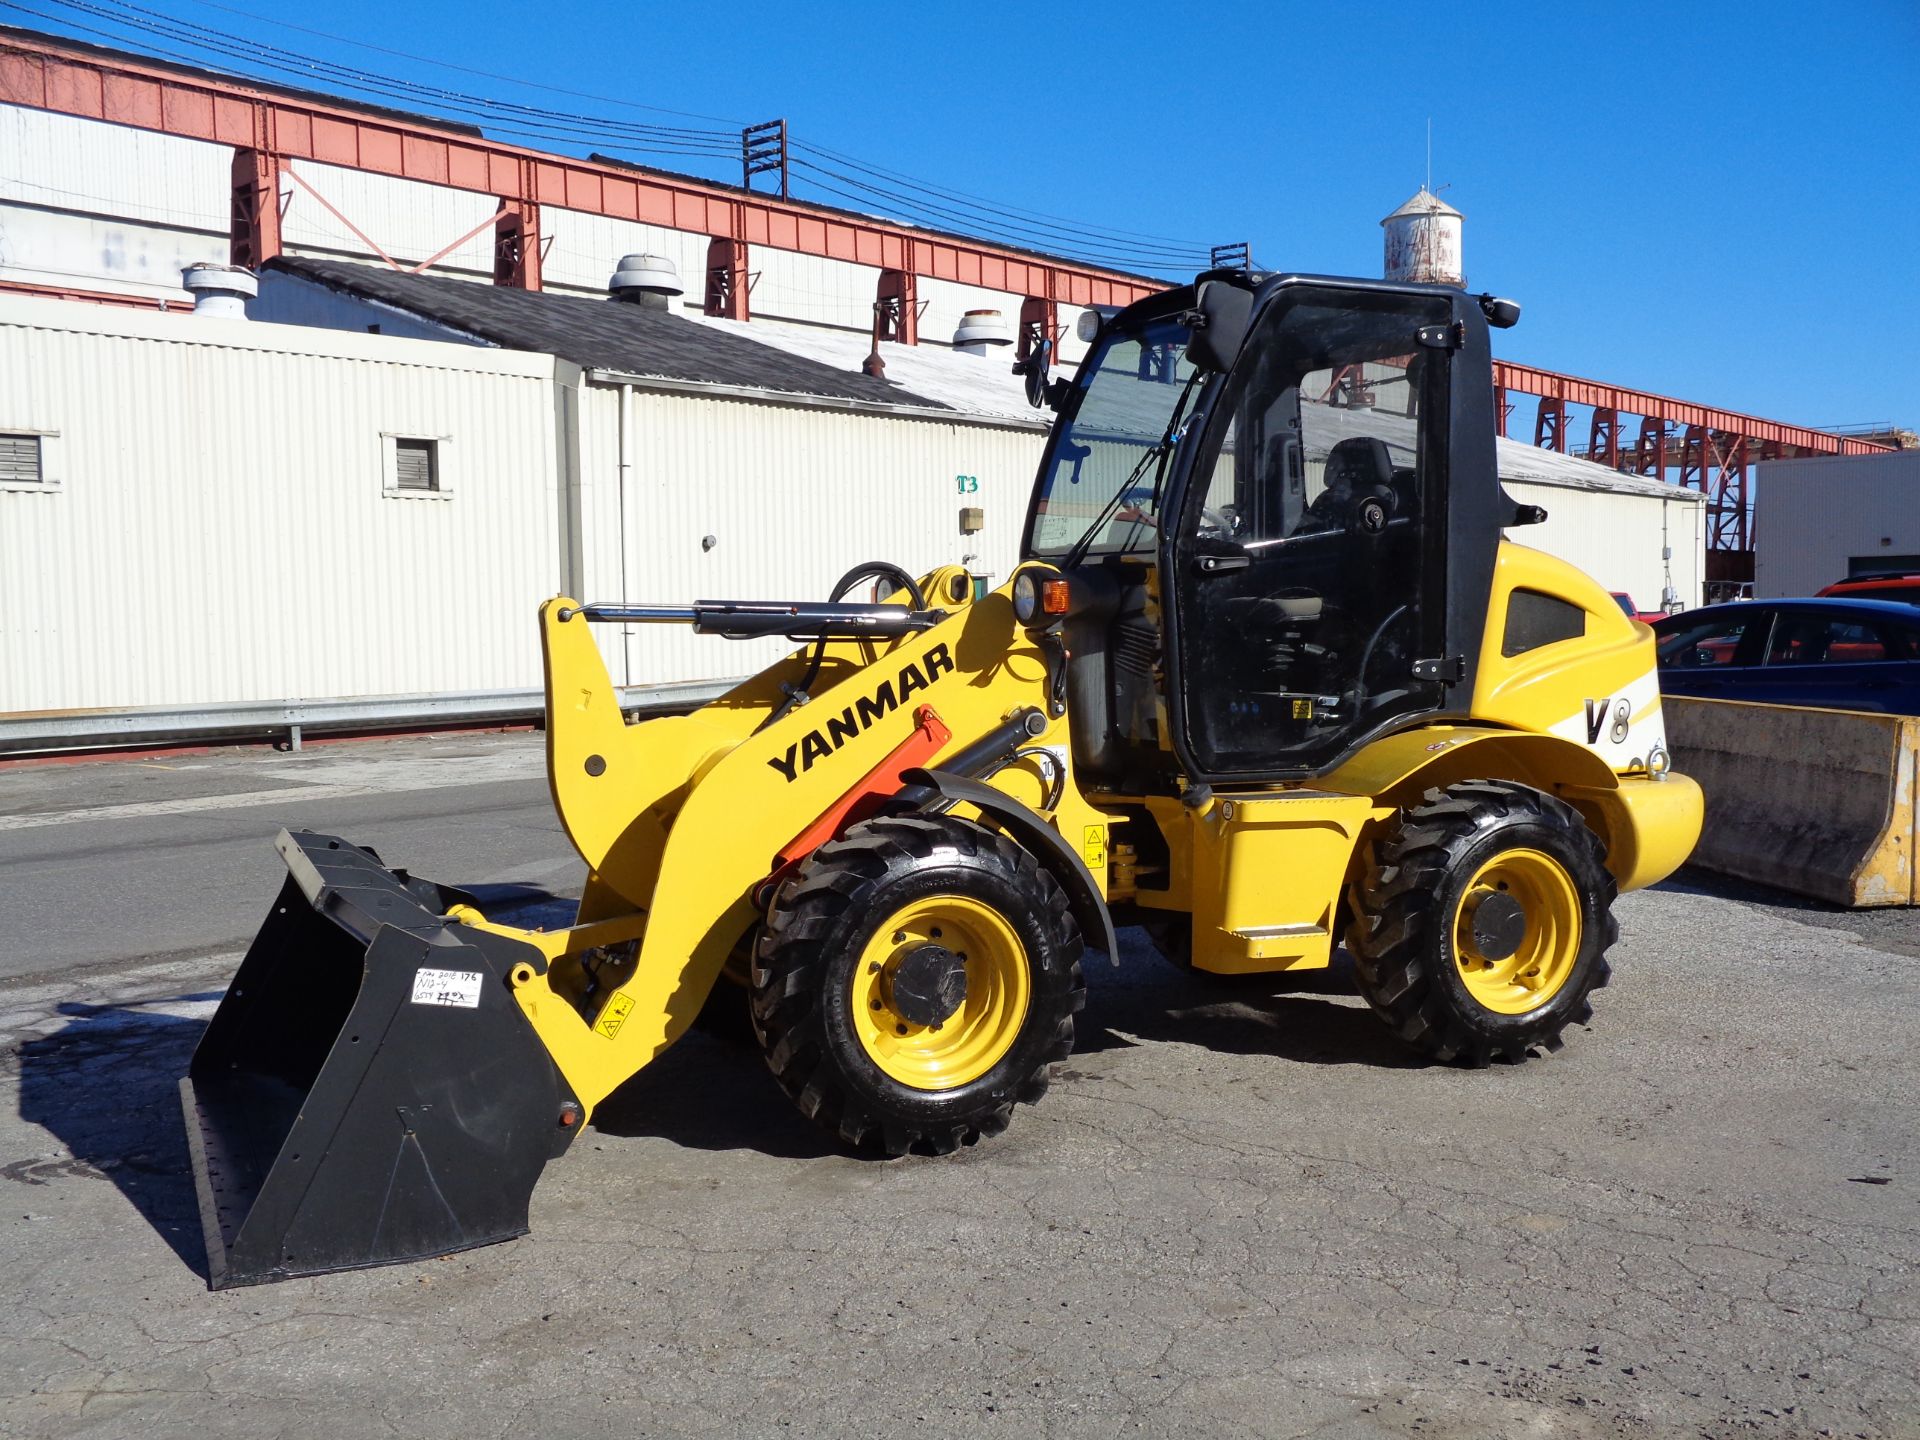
1053	597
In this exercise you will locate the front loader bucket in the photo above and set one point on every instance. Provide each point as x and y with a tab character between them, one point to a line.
368	1092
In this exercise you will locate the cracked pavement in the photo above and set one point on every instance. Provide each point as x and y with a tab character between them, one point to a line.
1242	1210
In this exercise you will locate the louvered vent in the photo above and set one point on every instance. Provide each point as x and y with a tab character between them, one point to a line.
1136	647
415	465
20	459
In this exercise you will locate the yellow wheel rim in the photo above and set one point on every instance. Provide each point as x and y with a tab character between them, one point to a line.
1548	946
976	1036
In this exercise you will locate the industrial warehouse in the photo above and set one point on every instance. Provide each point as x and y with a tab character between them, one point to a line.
657	779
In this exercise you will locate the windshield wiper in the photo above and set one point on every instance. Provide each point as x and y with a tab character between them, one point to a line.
1160	450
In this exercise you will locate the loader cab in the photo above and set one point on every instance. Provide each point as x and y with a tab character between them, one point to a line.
1275	553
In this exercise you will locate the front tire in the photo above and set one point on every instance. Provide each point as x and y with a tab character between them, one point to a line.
915	980
1483	921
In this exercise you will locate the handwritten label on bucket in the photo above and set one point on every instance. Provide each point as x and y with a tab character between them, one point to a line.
447	987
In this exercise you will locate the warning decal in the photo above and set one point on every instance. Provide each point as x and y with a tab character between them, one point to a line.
1094	847
447	987
614	1016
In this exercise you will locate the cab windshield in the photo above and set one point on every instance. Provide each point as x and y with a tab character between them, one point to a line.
1102	493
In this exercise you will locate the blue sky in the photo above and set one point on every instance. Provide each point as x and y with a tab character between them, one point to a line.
1715	201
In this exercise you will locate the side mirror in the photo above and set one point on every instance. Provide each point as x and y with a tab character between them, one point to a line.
1501	314
1220	316
1041	391
1034	368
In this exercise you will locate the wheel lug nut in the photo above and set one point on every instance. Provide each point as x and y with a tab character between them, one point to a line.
877	1005
900	937
899	1029
936	932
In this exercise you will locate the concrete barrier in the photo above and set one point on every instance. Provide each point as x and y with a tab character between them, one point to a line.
1819	802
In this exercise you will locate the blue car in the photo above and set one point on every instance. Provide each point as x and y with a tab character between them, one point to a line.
1839	654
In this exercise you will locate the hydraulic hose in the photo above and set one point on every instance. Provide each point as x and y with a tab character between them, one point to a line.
865	570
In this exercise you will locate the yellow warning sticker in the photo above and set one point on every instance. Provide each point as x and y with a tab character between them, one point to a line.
615	1015
1094	846
1303	709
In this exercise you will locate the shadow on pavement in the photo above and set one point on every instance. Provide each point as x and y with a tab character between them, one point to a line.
1298	1018
107	1087
710	1093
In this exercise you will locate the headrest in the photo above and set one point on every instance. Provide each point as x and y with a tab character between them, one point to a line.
1361	461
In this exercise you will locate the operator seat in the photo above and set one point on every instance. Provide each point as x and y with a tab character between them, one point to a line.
1358	470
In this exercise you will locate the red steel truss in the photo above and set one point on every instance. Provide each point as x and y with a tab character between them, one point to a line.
268	127
1711	450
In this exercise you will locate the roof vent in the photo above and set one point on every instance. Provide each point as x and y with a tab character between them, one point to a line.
981	332
649	280
221	291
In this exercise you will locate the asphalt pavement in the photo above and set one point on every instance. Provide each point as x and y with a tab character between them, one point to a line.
108	861
1242	1210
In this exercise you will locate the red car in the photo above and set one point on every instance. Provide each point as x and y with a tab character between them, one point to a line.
1634	612
1884	585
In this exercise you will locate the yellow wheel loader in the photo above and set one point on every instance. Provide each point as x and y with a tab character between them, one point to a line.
1267	680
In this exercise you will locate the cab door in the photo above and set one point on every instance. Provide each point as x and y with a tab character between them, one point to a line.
1316	531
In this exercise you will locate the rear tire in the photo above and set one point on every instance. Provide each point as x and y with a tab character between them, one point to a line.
1483	921
836	937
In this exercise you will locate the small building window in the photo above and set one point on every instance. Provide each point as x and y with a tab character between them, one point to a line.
20	460
30	461
415	466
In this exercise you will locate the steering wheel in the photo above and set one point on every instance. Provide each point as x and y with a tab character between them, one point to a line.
1222	523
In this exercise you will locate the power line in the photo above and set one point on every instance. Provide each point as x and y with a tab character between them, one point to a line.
1029	236
466	69
522	119
880	172
911	199
1031	228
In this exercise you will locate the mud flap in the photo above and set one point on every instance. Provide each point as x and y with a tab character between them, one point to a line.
368	1092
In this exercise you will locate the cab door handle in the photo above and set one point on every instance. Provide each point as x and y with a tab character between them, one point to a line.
1215	564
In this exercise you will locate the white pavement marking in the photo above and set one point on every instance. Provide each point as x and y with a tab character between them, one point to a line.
190	804
346	779
171	987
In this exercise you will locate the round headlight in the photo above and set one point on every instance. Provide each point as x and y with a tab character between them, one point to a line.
1026	597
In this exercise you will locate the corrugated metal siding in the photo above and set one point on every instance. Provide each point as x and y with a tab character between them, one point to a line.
408	219
793	497
1617	538
1814	515
110	170
812	289
220	532
586	248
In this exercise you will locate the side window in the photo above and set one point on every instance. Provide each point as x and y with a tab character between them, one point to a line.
1535	619
1713	642
1819	640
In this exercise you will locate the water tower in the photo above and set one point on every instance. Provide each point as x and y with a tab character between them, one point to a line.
1423	242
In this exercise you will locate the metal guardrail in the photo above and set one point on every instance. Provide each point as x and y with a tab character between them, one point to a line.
51	731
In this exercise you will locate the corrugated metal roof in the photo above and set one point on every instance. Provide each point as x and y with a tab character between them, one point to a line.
602	334
984	386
